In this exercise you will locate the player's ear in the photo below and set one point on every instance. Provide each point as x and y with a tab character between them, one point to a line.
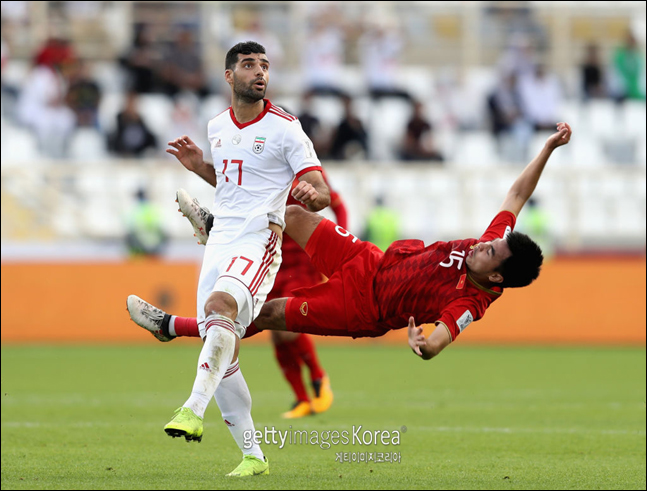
229	76
496	277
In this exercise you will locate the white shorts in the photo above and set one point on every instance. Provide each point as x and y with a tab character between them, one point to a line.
246	269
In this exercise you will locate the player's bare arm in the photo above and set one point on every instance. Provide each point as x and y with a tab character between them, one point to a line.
525	184
312	191
191	157
428	347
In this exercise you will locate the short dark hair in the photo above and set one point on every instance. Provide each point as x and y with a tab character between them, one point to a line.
244	48
523	266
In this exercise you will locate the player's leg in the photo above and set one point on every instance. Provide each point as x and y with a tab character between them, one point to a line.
290	362
163	326
304	346
199	216
301	224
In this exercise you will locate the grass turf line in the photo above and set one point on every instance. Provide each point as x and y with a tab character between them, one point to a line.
91	417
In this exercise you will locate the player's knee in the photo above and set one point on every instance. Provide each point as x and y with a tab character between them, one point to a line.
293	213
272	316
221	303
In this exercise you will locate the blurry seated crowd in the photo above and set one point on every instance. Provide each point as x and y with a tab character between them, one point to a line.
60	95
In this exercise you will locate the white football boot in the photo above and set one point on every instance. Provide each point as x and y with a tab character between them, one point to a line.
150	318
197	215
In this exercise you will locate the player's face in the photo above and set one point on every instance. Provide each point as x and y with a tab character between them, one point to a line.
486	257
250	77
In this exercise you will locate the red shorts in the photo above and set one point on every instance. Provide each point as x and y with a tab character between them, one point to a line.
296	272
344	305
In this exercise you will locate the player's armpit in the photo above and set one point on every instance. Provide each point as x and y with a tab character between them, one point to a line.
437	341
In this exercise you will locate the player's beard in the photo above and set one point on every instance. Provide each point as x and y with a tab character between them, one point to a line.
248	93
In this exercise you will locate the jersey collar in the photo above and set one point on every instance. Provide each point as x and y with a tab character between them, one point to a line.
240	126
480	287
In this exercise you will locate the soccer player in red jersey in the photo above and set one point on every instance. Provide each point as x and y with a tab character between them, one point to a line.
450	284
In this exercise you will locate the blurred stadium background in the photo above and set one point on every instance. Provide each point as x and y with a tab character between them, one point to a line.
92	91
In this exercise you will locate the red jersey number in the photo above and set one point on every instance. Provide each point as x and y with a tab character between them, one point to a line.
239	163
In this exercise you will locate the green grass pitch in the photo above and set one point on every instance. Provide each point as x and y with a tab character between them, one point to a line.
90	417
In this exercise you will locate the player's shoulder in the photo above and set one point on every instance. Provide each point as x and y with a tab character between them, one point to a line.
220	119
277	113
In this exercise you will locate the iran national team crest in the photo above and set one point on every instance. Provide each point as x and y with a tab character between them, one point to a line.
259	144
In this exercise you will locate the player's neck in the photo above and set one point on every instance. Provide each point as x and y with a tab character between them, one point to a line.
480	280
246	111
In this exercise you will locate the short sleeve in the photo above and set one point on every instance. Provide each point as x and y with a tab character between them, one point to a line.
501	225
299	150
457	316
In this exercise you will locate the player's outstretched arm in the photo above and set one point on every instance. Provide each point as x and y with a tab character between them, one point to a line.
312	191
190	156
525	184
427	348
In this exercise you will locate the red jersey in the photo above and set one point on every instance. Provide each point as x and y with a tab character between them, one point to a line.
432	283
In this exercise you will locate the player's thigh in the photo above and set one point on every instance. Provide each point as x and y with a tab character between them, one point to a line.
319	310
300	224
239	269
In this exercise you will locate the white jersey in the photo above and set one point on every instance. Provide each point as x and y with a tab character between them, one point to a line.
255	165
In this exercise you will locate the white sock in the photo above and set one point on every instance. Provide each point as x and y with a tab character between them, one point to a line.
171	326
235	403
215	357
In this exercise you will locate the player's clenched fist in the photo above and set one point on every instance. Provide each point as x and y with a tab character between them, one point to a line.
305	193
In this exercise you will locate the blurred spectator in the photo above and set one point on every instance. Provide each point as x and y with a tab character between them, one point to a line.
380	50
131	138
507	122
418	141
142	62
9	92
592	74
312	126
323	55
83	96
145	234
519	58
350	140
541	96
41	103
629	70
535	222
185	120
56	51
382	225
182	68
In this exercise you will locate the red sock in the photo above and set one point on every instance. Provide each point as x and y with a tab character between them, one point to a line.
291	366
305	348
186	326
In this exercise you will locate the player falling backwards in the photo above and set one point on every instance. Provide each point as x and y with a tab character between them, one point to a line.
292	350
257	151
450	284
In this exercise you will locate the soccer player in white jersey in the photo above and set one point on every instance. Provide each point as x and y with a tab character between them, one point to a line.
257	150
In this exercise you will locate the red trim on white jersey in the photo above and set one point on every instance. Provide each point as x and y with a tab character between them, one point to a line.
281	113
309	169
240	126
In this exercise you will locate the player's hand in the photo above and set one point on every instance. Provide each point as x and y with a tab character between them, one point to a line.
187	152
562	137
416	337
305	193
